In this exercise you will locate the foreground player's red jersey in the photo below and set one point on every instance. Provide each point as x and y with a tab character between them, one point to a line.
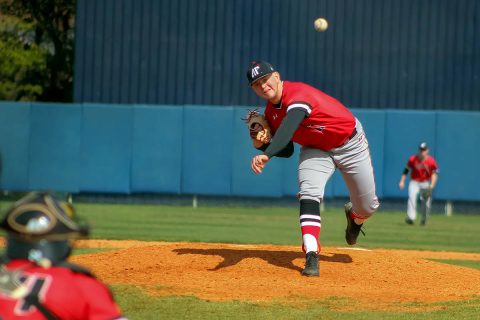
422	170
67	294
328	124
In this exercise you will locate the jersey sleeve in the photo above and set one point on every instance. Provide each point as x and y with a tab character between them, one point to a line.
410	162
281	144
305	107
99	299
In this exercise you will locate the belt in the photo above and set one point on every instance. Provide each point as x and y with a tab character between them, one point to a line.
354	133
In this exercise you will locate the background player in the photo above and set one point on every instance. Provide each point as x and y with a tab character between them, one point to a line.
37	282
423	180
330	136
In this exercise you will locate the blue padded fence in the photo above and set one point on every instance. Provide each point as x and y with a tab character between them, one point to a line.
156	149
206	150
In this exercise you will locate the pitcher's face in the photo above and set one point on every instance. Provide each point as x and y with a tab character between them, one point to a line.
269	87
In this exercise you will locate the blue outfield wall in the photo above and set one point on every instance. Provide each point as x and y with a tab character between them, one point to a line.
156	149
54	147
206	150
14	145
106	148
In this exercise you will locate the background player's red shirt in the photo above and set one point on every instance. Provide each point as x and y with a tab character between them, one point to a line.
422	170
328	125
68	294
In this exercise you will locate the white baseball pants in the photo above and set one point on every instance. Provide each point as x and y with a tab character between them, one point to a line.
415	189
353	160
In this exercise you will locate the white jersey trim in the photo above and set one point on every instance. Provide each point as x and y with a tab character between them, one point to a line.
302	106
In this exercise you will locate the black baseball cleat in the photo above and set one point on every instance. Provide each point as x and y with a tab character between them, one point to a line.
353	229
408	221
311	265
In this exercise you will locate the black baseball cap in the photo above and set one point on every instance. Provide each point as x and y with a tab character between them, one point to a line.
423	146
258	70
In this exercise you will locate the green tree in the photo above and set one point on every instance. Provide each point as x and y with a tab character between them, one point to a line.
22	62
51	33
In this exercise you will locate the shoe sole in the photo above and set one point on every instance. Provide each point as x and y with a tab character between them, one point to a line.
313	274
348	207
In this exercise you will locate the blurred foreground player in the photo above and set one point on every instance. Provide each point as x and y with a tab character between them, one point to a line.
36	281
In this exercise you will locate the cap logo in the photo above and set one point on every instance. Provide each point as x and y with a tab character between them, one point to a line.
255	71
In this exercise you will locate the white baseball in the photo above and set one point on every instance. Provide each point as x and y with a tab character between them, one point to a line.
320	24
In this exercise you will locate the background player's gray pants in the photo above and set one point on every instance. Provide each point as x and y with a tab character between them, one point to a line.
416	190
353	160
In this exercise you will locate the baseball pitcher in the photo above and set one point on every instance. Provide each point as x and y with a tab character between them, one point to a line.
330	137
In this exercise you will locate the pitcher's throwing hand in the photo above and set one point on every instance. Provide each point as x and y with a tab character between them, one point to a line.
259	162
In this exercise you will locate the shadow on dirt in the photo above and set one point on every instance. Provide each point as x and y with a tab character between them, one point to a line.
283	259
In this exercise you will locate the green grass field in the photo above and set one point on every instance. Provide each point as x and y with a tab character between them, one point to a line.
274	225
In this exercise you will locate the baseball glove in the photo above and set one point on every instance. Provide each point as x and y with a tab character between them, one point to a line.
258	126
426	193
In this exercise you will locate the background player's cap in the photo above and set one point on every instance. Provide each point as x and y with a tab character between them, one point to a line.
258	70
423	146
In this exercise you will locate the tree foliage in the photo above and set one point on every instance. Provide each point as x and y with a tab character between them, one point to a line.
22	63
36	49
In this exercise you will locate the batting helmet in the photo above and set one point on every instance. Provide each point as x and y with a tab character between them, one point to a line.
39	228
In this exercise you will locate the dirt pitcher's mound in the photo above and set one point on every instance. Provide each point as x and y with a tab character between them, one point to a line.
379	278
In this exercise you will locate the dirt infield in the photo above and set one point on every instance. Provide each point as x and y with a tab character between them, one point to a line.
376	279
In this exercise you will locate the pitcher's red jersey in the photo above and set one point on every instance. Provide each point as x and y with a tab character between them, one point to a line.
328	124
